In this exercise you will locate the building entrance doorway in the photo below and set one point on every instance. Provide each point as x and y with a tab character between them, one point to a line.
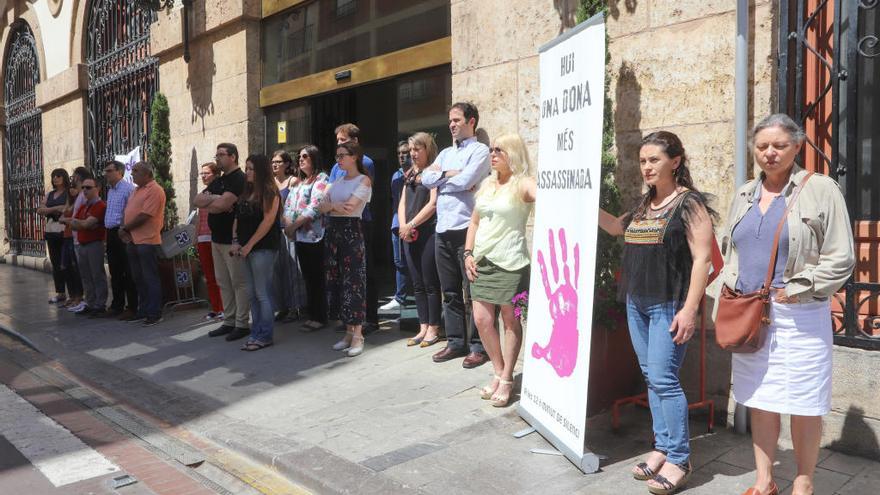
386	112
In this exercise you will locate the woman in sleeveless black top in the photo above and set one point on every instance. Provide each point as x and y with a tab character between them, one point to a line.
666	260
417	214
52	207
257	239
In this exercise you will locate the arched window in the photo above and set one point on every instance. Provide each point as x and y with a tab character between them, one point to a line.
122	79
23	144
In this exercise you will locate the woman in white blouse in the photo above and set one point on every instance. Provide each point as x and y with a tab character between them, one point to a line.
344	257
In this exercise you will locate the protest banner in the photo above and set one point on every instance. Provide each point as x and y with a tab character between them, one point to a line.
557	346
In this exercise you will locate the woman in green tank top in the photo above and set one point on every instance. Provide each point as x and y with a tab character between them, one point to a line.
496	258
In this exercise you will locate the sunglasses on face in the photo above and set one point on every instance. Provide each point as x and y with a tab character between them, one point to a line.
304	157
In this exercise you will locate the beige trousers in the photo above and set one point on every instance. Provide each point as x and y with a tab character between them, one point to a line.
229	271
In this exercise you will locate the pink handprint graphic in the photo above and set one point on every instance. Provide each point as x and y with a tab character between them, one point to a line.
561	351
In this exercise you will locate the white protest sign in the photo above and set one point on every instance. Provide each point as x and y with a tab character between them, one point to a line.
557	346
129	161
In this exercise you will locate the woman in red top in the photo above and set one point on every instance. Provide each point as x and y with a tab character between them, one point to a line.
210	171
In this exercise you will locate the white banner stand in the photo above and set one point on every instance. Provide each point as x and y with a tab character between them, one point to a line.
557	346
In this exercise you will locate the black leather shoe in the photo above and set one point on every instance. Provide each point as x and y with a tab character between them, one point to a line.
98	313
84	312
238	333
223	330
369	328
474	359
448	353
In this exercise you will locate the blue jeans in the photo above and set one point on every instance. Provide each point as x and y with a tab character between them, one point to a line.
660	360
401	269
144	262
259	276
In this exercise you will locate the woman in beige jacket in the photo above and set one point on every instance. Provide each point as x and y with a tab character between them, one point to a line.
791	373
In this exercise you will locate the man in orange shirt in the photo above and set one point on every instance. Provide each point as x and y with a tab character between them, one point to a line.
141	230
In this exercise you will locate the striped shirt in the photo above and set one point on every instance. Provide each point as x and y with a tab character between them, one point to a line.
117	198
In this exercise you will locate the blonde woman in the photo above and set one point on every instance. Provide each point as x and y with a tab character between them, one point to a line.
417	215
496	257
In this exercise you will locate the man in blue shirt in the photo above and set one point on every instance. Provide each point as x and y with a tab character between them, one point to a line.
121	280
456	174
344	134
402	274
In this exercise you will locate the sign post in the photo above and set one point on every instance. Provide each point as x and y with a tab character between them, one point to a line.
557	346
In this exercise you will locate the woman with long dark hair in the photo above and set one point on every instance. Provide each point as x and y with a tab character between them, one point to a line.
666	259
52	206
257	238
344	248
290	288
69	264
304	224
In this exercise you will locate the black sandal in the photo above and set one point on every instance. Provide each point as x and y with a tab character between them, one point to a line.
667	487
255	345
646	472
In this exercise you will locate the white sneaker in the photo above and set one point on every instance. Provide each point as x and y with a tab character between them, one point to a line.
79	307
356	350
343	345
390	305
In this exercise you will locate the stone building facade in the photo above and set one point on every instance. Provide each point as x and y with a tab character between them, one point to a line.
241	70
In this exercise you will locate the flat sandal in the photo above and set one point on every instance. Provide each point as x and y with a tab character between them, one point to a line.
667	487
646	472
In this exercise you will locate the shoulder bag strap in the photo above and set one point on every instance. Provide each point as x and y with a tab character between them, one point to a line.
765	290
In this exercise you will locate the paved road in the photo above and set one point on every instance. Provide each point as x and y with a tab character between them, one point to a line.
387	422
51	444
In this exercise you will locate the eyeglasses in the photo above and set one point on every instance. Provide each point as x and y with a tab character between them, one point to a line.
496	150
340	156
88	188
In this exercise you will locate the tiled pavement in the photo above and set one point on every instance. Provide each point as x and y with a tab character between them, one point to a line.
389	421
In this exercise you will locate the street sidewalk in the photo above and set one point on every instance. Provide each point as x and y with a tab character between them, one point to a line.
389	421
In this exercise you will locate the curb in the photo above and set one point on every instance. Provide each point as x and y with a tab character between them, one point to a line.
308	465
17	336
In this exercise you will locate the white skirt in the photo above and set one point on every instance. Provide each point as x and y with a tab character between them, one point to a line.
791	372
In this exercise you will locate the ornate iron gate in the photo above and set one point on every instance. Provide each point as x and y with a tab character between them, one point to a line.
821	43
123	78
23	145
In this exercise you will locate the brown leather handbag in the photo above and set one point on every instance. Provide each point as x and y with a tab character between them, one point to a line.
739	324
